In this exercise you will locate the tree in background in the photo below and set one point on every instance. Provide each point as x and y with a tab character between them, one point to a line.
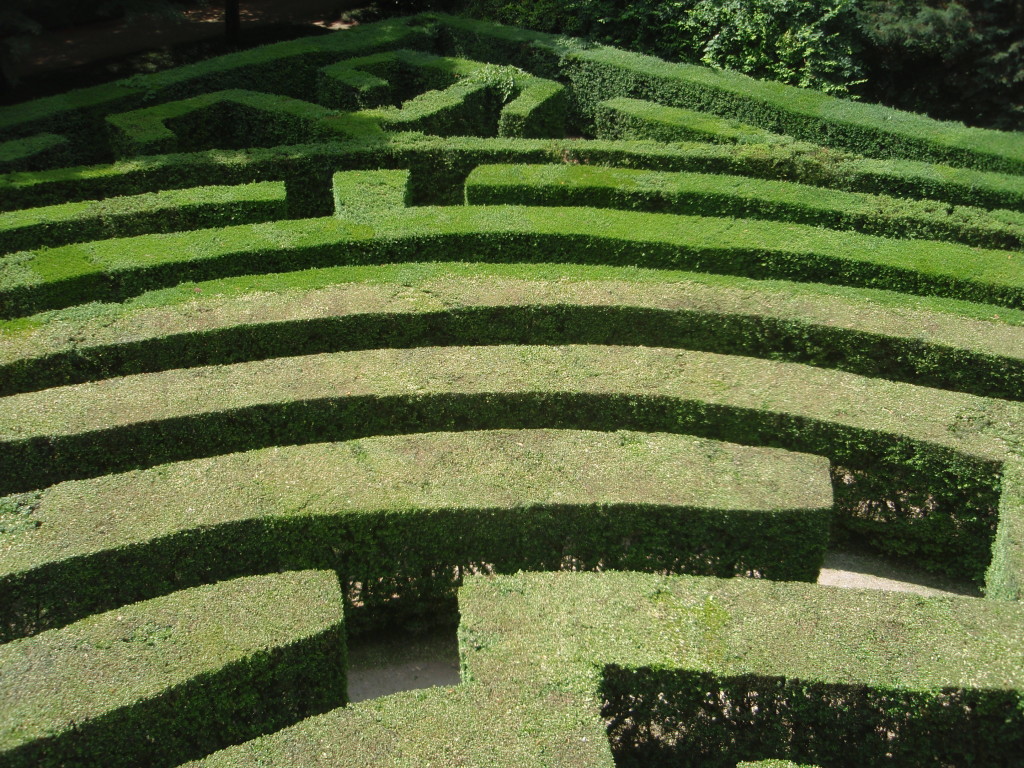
808	43
952	59
961	60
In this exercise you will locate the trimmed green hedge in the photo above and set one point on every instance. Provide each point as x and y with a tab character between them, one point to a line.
473	105
148	213
44	150
439	167
721	195
117	269
633	119
476	100
174	678
539	650
289	69
942	450
597	73
229	119
388	78
931	342
374	191
401	518
1004	579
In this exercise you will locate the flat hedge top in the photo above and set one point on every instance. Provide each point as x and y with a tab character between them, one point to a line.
565	184
167	200
964	423
490	470
365	232
71	675
758	248
261	302
741	626
534	647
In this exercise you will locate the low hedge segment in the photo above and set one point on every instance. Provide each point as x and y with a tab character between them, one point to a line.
632	119
542	652
473	105
401	518
597	73
937	343
702	194
229	119
388	78
440	165
942	450
44	150
358	191
112	270
1004	578
287	69
154	212
475	100
173	678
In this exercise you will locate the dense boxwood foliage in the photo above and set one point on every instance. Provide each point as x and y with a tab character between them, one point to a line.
370	303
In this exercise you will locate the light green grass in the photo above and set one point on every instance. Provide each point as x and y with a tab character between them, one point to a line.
164	679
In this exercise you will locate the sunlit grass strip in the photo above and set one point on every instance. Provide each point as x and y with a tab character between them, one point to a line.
117	269
934	342
948	446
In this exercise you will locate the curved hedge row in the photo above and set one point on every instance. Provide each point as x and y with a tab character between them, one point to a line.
167	211
175	677
947	447
541	652
597	73
113	270
704	194
449	503
938	343
440	165
539	442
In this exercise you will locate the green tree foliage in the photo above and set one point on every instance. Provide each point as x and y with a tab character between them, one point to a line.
811	44
962	60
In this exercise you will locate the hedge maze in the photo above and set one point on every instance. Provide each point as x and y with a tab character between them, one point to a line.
434	320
